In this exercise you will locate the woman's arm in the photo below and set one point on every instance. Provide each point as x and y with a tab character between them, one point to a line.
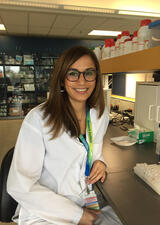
98	170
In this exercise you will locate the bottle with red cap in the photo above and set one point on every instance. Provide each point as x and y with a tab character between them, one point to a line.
117	43
124	35
128	45
97	51
106	51
112	48
144	34
135	41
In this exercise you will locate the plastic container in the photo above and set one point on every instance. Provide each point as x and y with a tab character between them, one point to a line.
155	33
106	51
112	48
117	43
135	41
144	34
128	46
125	35
158	142
97	52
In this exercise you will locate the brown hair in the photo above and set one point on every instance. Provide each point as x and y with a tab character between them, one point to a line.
58	109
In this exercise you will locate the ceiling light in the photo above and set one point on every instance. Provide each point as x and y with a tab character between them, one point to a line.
88	9
104	33
2	27
136	13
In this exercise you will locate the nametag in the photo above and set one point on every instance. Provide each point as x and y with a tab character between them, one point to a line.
91	201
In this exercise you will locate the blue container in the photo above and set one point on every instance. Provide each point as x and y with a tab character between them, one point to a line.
155	33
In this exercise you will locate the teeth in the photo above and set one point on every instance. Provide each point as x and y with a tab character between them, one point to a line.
81	89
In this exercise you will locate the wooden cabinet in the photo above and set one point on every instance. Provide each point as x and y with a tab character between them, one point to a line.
141	61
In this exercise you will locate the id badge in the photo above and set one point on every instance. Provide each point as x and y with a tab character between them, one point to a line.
91	201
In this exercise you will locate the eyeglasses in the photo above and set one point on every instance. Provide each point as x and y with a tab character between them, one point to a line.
74	74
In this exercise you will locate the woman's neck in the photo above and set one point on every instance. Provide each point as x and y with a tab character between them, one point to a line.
80	110
79	107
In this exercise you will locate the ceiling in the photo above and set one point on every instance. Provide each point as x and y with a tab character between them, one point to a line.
33	20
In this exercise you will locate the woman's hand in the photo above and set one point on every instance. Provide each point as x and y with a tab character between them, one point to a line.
89	216
98	172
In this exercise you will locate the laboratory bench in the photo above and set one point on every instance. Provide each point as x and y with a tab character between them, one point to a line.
132	199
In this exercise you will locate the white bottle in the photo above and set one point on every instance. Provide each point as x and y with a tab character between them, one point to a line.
158	141
128	46
97	52
144	34
125	35
112	48
135	41
106	54
117	43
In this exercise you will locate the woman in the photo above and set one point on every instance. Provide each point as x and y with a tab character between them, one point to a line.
52	167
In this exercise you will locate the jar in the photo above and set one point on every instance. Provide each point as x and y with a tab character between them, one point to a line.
144	34
106	51
117	43
97	52
127	46
112	48
125	35
135	41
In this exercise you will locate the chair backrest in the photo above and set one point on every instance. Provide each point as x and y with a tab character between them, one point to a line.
7	203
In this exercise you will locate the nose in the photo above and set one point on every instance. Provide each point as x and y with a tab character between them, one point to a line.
81	78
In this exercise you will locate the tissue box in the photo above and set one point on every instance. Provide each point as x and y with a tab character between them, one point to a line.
142	136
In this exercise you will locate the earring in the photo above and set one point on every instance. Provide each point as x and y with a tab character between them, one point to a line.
62	89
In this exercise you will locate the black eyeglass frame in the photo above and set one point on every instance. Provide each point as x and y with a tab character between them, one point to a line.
79	73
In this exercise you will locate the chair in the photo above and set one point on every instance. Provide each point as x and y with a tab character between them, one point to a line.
7	203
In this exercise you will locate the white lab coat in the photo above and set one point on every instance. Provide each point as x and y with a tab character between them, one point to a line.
47	176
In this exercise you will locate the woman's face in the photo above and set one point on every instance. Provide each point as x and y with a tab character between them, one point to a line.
80	90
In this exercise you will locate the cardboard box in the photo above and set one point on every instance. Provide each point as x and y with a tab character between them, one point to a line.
142	136
15	110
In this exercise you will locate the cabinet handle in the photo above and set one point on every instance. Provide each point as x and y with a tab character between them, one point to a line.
149	114
158	110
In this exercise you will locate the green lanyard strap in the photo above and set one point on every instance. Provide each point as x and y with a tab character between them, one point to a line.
88	147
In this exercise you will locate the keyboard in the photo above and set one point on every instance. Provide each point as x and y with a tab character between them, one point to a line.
150	173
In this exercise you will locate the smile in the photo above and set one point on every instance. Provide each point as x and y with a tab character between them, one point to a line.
81	89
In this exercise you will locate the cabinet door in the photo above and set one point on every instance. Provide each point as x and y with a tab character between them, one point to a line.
145	105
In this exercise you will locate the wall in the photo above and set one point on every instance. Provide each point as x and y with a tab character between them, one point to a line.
8	134
123	104
42	45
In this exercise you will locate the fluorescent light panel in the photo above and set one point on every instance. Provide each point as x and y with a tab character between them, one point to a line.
88	9
136	13
104	33
2	27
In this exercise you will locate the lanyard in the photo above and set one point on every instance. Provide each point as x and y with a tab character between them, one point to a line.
88	147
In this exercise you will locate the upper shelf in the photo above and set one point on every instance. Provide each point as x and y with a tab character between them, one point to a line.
146	60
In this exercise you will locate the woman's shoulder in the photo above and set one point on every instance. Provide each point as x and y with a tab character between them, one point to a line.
35	114
94	113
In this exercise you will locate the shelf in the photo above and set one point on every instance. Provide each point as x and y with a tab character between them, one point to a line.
140	61
22	82
123	98
22	65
